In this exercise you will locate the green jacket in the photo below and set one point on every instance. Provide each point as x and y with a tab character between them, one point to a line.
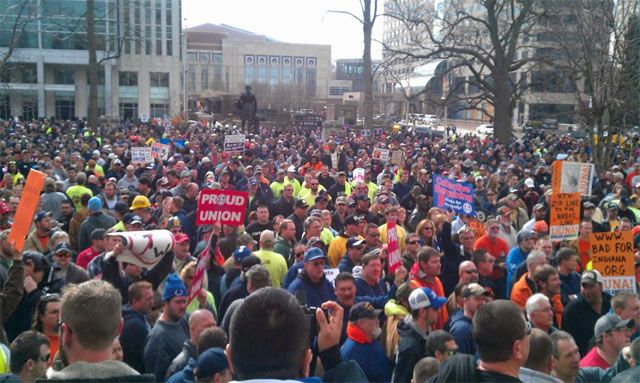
284	248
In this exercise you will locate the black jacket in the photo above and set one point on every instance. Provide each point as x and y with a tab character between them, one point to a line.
411	348
281	207
180	361
579	319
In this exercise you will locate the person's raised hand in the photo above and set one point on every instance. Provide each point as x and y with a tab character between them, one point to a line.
29	284
330	329
15	253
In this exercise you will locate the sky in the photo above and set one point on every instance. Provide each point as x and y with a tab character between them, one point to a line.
292	21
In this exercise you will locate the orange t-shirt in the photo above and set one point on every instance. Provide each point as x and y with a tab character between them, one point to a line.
54	344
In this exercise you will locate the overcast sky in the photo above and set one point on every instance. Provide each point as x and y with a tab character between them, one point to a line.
293	21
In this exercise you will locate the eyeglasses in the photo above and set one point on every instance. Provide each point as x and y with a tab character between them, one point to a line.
300	254
44	358
413	242
63	254
427	228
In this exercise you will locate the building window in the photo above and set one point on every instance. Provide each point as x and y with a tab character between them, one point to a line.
204	78
159	79
192	78
275	74
128	79
286	75
169	47
204	57
29	109
128	110
64	76
311	82
5	107
65	109
159	110
248	74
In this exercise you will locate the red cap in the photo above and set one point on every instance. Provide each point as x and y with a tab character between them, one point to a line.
181	237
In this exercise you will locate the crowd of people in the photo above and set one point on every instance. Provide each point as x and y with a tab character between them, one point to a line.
305	286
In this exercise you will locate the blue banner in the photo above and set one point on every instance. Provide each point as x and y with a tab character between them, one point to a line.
177	142
453	195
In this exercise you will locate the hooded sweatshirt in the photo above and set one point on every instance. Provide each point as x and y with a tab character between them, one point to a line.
411	348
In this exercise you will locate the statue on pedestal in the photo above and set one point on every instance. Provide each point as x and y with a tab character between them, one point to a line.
248	106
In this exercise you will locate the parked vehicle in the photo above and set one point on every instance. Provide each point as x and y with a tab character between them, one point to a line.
484	129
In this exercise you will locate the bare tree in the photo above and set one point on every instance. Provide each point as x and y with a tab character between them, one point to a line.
593	48
367	20
482	40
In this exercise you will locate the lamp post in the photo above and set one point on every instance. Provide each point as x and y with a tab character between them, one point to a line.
185	108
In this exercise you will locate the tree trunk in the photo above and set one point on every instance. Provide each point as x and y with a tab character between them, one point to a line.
92	117
367	27
502	110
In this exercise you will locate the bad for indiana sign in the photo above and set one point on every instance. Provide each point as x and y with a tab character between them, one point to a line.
225	206
612	256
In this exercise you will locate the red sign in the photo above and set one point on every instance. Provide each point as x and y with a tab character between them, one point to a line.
228	207
393	247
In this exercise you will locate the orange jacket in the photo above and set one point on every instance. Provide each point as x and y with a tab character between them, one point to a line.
522	291
437	288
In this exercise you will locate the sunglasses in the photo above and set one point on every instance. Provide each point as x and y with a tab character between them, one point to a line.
63	254
427	228
44	358
413	242
299	254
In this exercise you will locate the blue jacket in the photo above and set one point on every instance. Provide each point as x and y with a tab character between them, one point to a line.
515	257
462	330
315	293
376	295
292	274
371	357
346	264
134	331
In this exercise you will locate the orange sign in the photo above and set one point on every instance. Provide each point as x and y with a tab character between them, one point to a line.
612	256
27	208
478	227
565	216
556	177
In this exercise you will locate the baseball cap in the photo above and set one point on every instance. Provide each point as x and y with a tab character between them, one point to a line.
267	236
474	289
342	200
42	215
529	183
612	206
320	198
181	238
173	223
424	297
62	247
539	206
363	310
301	204
291	169
97	234
541	227
588	205
591	277
249	262
404	290
512	197
362	197
524	235
241	253
210	362
131	219
611	322
312	254
354	242
185	173
352	220
253	181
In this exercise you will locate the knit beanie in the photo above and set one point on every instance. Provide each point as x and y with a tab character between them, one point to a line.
174	287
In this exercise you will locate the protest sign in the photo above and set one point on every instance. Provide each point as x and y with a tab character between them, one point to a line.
159	150
145	248
572	177
141	155
396	157
358	174
27	208
225	206
179	143
366	132
234	142
331	274
453	195
381	154
612	256
393	247
565	216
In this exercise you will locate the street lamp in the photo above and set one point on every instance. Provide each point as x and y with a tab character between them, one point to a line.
185	108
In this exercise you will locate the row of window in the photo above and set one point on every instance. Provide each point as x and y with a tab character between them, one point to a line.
156	79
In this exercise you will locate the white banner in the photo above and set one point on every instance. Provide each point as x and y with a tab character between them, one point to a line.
234	142
141	155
